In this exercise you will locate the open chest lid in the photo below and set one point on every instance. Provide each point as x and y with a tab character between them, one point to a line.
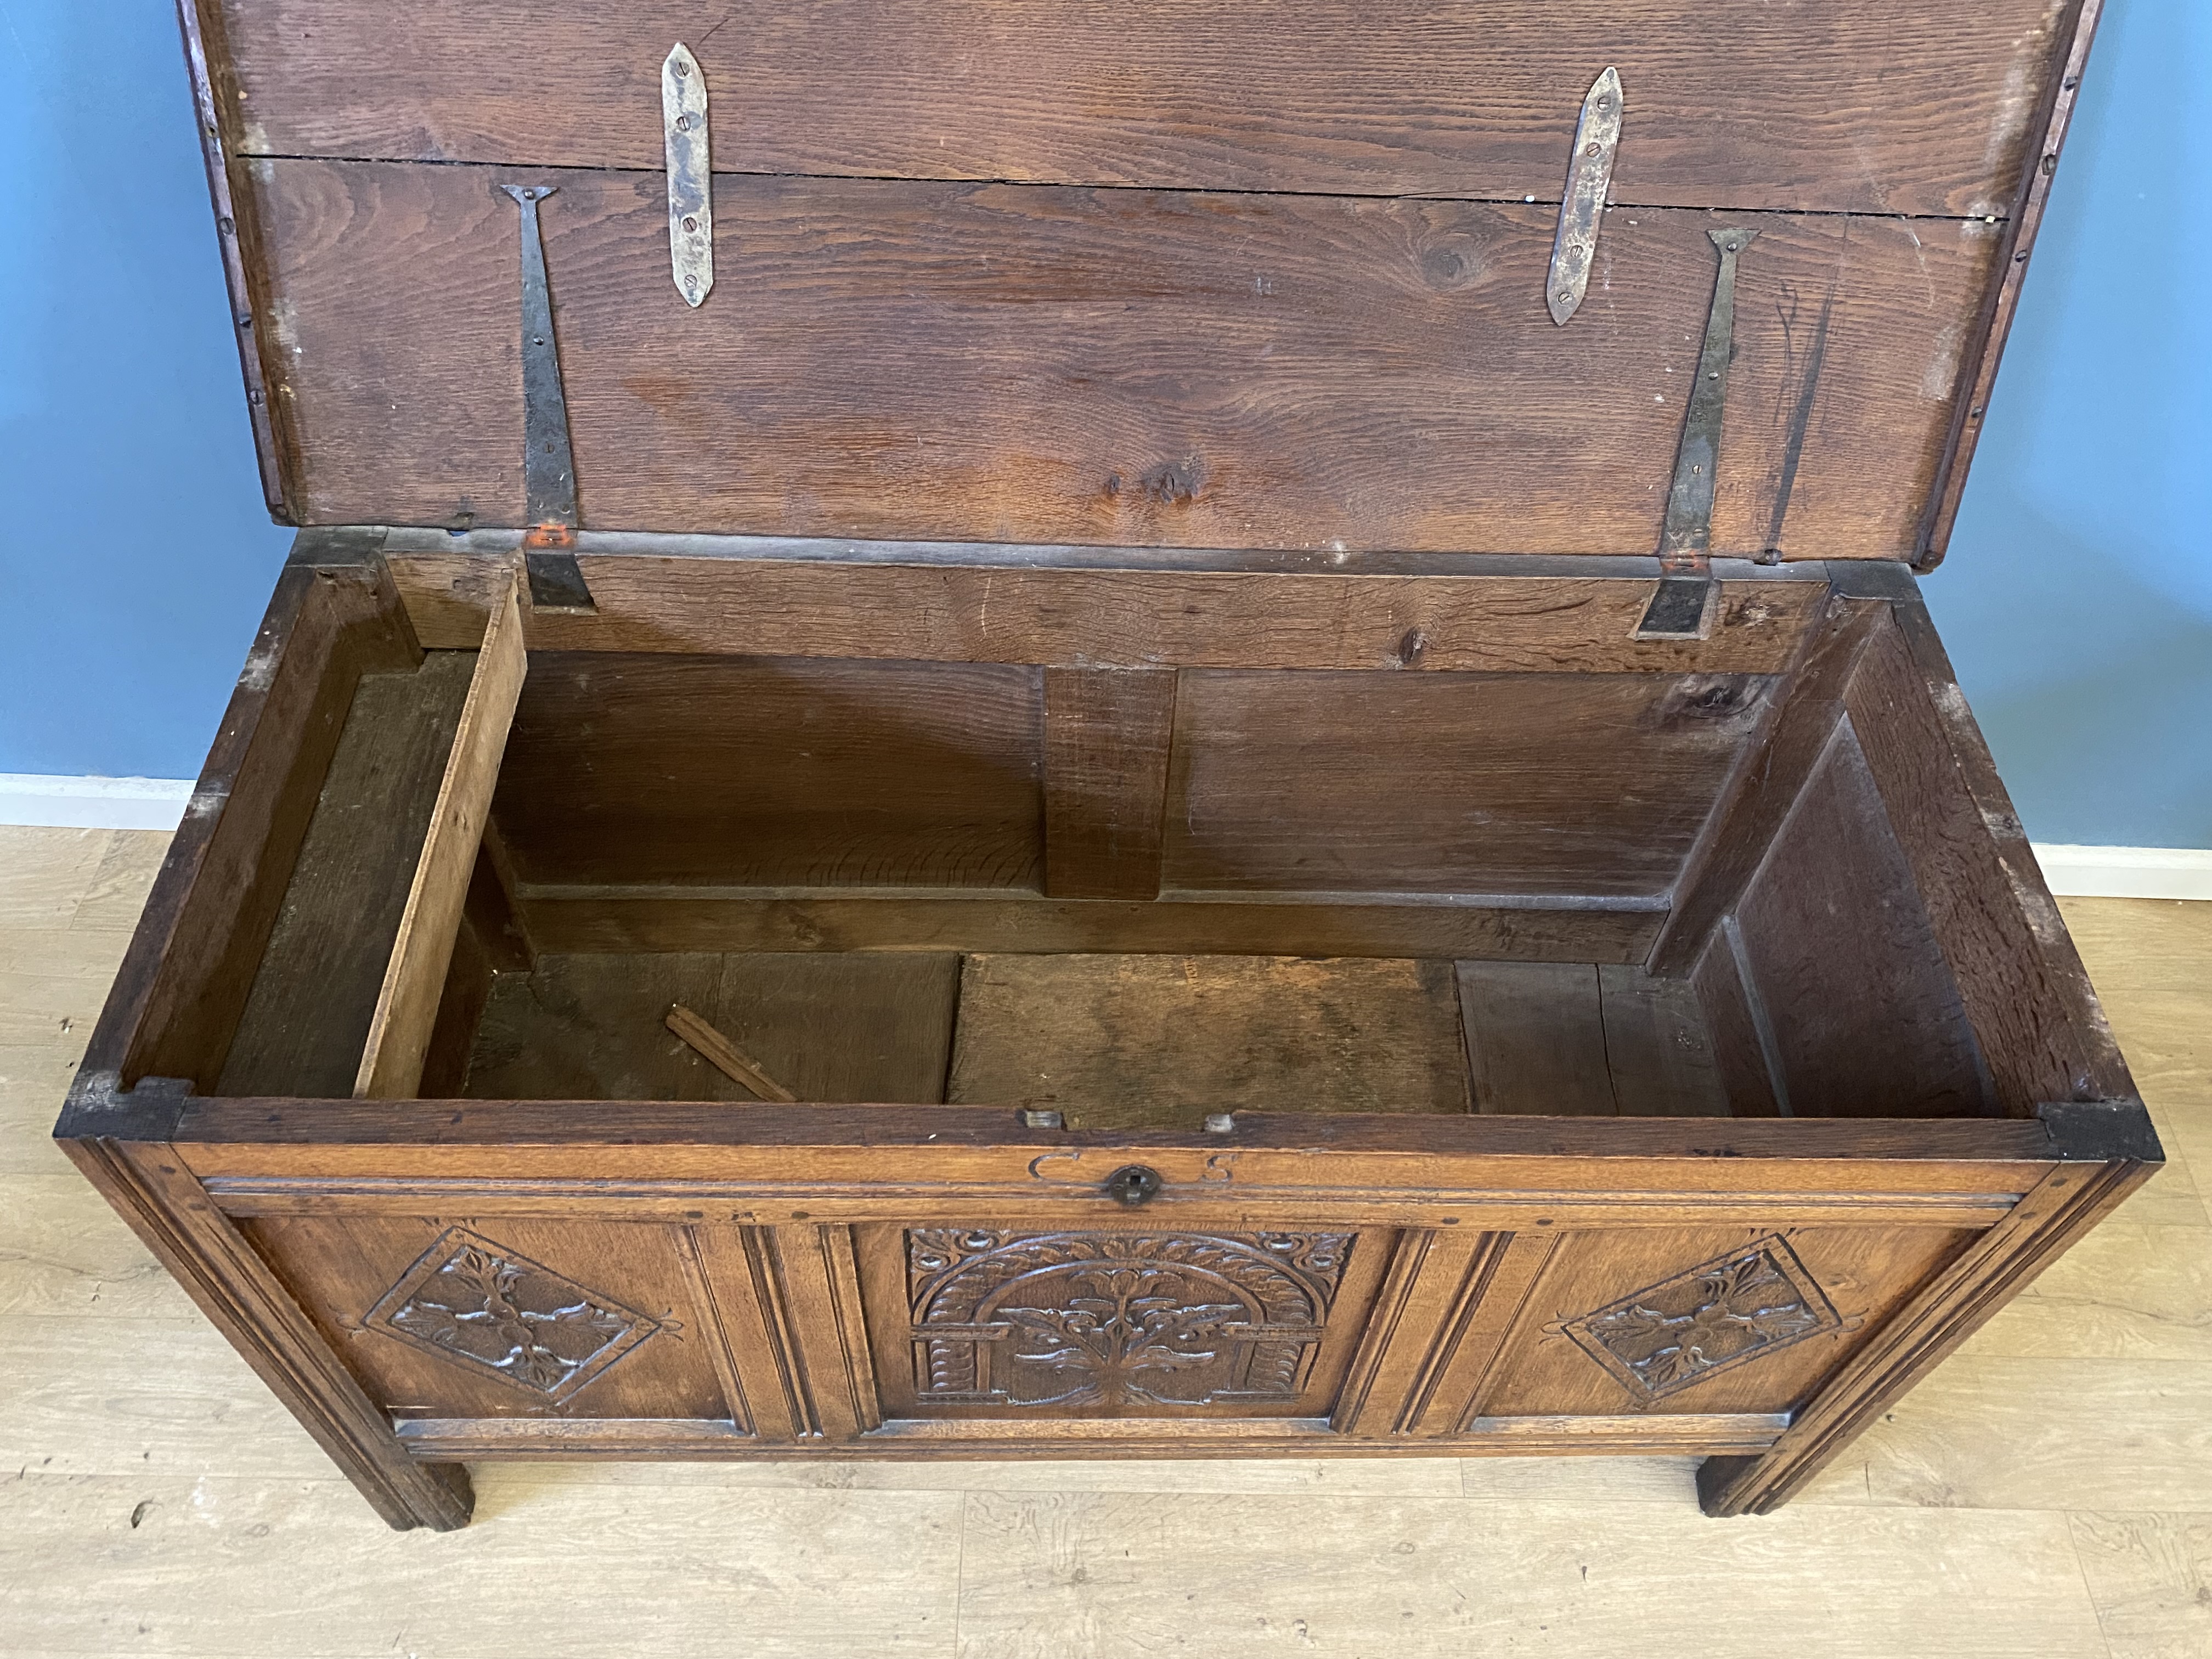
1189	276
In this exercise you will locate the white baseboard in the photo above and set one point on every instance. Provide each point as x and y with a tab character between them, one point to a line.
2162	872
2168	873
93	802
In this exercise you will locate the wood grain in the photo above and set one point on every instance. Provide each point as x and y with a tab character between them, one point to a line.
1106	741
406	1014
1879	107
262	1590
1287	782
1838	947
308	1019
2018	975
1046	1570
1744	1051
1866	1273
1535	1039
340	1268
1975	1163
819	1283
650	768
256	1311
1986	1432
191	968
998	362
1967	1480
1770	775
2150	1576
1425	1349
1159	1041
1576	929
724	1055
216	94
828	1028
490	941
2130	1290
1286	1413
1657	1046
2076	26
1945	1311
1102	608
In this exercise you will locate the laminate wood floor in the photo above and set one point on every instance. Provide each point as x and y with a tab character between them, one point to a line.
2047	1492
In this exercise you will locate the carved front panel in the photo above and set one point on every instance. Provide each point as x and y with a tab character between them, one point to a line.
484	1306
1113	1323
1718	1313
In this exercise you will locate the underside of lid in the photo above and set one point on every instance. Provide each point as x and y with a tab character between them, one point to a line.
1179	275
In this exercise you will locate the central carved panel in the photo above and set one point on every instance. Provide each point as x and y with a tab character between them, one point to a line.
1118	1321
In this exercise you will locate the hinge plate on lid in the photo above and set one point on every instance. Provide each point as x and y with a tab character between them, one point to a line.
548	465
1582	205
690	176
1678	610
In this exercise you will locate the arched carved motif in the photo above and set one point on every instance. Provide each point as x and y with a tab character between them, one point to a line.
1112	1322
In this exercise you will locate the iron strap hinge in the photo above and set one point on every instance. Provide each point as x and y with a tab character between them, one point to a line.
1678	610
548	465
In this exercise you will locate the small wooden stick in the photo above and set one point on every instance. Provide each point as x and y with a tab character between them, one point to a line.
724	1054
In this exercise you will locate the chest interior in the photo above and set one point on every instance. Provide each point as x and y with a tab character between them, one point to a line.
1138	595
1528	864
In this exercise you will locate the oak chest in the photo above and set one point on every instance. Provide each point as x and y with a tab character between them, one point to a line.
1042	729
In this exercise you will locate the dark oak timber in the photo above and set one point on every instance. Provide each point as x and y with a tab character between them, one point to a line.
649	767
1159	1041
1111	720
1771	773
2018	975
2004	1262
1572	928
235	1288
1106	738
1000	363
1829	990
186	979
308	1015
1881	106
844	1026
216	92
1519	783
1109	608
1535	1039
1408	1100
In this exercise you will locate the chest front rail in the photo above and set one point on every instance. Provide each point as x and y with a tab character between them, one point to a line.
425	1283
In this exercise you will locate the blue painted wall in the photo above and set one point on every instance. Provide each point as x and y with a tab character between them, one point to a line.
136	556
2077	597
136	559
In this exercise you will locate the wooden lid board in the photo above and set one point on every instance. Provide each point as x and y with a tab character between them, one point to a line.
1191	276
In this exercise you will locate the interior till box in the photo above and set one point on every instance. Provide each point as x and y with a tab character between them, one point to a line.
1377	891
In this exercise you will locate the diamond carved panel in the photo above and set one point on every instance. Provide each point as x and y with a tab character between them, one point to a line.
485	1308
1710	1318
